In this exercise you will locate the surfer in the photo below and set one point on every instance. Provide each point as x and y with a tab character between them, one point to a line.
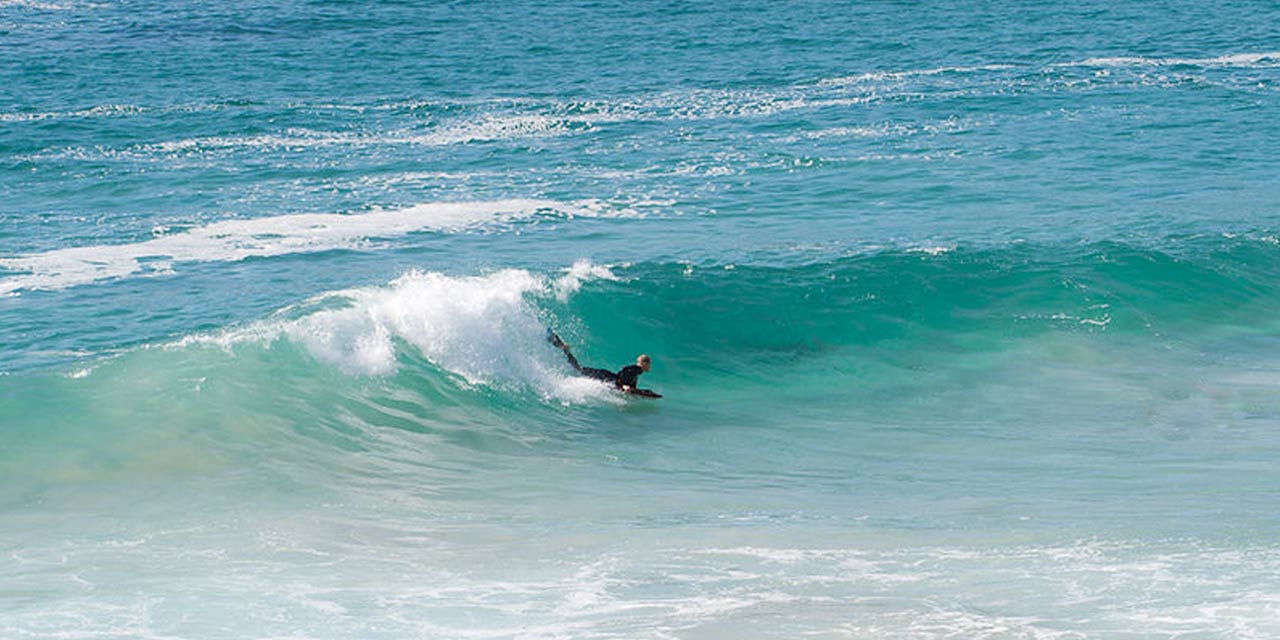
624	379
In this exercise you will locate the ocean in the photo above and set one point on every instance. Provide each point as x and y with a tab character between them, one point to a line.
966	316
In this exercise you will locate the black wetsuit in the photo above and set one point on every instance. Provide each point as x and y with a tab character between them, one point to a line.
625	377
628	374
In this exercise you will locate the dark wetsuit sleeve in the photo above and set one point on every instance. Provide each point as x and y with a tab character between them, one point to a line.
599	374
627	376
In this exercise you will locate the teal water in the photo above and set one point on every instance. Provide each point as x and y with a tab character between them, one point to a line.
967	318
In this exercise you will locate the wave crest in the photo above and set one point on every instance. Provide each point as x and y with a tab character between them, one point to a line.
485	330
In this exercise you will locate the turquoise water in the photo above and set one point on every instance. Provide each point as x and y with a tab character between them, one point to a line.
967	317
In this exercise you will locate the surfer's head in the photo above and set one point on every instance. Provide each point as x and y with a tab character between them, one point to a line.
642	361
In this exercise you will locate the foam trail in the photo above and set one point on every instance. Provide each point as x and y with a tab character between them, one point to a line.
1261	59
34	4
876	76
106	110
487	128
1266	59
232	240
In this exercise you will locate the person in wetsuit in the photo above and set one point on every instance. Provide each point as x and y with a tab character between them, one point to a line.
624	379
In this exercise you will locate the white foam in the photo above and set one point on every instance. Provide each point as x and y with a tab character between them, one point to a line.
484	329
873	131
1267	59
500	127
1261	59
574	276
232	240
106	110
932	250
288	139
512	119
485	128
44	6
876	76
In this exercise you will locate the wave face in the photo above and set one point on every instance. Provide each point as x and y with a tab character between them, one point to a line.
965	319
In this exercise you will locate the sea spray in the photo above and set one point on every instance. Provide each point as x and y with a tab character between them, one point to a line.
486	330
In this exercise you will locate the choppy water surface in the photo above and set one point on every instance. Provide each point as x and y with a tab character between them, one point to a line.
966	318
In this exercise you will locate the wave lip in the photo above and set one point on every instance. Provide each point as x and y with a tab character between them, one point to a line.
232	240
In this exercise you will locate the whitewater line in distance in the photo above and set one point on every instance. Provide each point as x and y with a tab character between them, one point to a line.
232	240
